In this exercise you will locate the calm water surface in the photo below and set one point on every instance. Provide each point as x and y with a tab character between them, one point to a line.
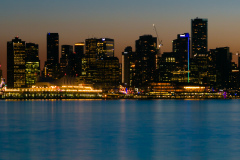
120	129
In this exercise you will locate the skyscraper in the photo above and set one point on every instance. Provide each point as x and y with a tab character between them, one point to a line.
78	56
95	49
99	54
199	36
52	63
16	63
67	55
126	55
181	46
146	54
32	64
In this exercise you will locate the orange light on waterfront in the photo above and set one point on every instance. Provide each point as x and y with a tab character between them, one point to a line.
194	87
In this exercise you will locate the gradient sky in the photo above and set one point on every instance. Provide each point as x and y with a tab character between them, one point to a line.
122	20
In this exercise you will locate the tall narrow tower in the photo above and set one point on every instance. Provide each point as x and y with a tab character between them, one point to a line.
51	65
199	36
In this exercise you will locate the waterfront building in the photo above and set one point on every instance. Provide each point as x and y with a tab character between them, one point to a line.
49	91
52	63
234	77
199	35
32	64
146	61
16	57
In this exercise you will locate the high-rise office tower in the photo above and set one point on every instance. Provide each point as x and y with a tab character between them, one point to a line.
65	61
146	54
95	49
32	64
99	54
99	48
107	76
223	66
181	46
126	55
78	56
16	63
52	63
199	36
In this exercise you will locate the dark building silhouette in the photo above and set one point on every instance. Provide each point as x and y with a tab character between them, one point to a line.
126	65
223	66
32	64
146	60
78	56
16	57
52	63
199	36
65	61
220	71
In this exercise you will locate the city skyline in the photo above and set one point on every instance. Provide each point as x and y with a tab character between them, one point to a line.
121	21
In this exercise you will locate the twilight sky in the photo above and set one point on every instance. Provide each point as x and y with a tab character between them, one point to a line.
122	20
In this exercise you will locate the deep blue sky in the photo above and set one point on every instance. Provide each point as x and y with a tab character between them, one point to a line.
123	21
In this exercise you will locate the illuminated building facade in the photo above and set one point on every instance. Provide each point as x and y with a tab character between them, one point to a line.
146	58
234	78
16	57
199	36
65	61
107	76
181	46
52	63
168	66
32	64
95	49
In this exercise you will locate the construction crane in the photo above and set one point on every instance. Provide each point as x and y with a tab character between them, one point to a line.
160	41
